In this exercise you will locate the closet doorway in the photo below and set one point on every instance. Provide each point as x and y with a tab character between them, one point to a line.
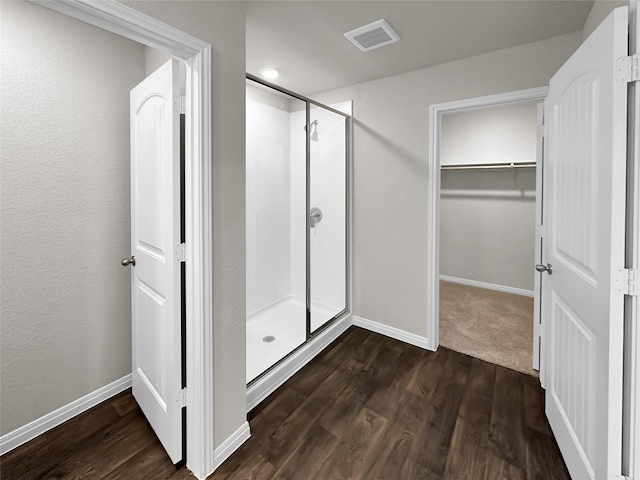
487	167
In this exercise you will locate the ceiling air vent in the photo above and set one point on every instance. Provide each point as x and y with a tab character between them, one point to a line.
374	35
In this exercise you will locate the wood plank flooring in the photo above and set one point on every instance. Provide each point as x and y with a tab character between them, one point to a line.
368	407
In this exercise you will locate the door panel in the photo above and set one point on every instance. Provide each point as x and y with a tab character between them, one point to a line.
155	235
328	216
584	204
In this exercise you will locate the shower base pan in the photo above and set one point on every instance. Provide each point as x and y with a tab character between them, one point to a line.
277	330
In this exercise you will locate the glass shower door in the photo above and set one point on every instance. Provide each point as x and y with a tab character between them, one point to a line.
276	226
327	216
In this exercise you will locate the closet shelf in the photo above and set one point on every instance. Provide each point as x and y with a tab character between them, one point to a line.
488	166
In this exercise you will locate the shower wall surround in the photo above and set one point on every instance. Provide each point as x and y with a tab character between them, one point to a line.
288	254
269	200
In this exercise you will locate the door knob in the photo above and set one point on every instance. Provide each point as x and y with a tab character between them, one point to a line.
125	262
544	268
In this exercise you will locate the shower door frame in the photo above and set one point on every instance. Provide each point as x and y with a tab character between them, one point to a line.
348	216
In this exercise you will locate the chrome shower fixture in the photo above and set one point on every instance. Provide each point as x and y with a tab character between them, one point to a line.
314	131
313	124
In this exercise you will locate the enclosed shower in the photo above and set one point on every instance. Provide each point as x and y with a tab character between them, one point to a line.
296	218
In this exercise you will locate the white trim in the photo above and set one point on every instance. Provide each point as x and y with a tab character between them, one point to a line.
392	332
51	420
537	359
631	407
231	444
199	277
114	17
273	379
488	286
433	192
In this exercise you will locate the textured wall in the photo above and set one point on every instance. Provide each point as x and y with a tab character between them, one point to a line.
65	298
65	317
391	131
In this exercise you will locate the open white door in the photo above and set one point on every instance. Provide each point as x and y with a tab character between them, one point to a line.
584	216
155	238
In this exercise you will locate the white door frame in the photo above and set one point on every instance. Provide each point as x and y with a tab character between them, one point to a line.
631	410
129	23
433	192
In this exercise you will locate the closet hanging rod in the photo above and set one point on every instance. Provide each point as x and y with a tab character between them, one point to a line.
488	166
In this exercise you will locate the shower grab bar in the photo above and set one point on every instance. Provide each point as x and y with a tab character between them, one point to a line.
488	166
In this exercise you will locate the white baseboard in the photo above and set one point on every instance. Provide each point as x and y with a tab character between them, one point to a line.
231	444
267	384
39	426
393	332
489	286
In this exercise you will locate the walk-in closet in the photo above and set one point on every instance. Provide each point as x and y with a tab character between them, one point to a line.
487	232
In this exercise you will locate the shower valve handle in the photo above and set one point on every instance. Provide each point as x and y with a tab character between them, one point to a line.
315	216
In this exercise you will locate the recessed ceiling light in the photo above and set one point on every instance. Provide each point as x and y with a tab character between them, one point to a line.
270	73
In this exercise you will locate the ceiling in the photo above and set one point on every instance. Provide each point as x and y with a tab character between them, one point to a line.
304	39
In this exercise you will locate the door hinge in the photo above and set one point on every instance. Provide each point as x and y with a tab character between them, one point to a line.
539	230
181	253
180	103
626	281
542	130
182	398
627	69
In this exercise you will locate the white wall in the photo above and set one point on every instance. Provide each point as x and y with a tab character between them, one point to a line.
391	126
487	217
599	11
268	185
502	134
66	311
62	336
487	226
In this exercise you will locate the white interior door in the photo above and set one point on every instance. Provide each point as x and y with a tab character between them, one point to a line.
155	237
584	213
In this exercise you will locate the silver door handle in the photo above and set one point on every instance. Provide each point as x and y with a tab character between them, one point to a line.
125	262
544	268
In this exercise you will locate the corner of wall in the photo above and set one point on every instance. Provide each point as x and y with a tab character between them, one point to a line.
599	11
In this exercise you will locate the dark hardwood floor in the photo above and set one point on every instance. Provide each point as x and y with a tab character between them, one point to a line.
368	407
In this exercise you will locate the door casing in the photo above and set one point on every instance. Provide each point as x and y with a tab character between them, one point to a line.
631	406
129	23
433	191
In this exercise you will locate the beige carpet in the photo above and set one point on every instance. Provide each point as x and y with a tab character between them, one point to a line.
493	326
